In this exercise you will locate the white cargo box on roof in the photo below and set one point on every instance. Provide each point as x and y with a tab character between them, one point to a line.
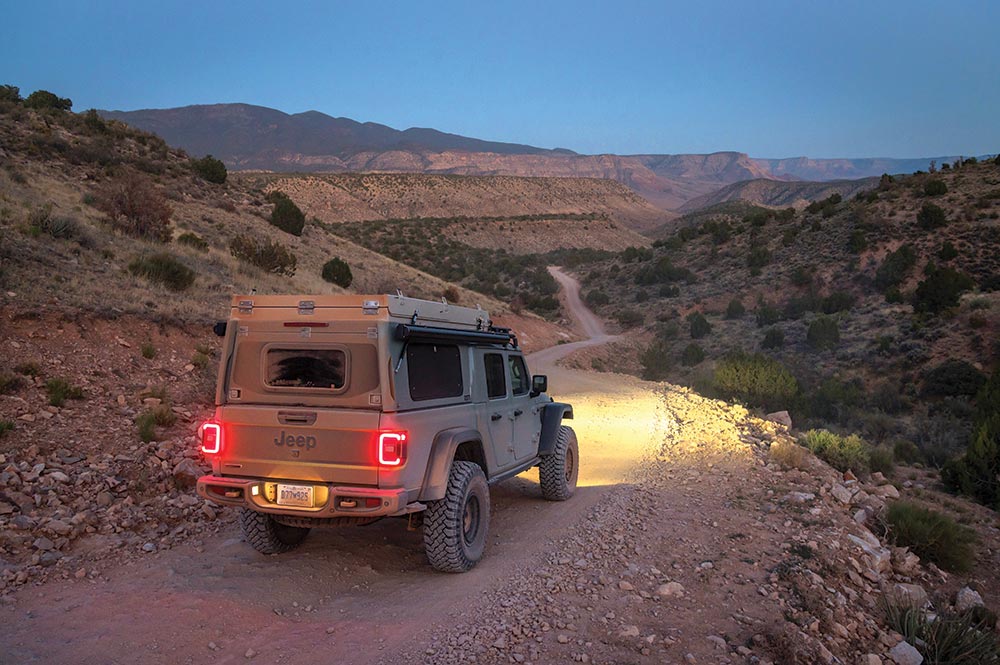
428	311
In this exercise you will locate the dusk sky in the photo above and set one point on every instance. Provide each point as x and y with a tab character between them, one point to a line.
774	79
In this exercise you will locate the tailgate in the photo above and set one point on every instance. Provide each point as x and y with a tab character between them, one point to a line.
315	445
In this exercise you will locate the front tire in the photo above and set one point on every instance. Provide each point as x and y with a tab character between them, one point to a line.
267	535
456	527
558	472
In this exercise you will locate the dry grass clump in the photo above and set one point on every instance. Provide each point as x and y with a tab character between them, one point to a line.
788	454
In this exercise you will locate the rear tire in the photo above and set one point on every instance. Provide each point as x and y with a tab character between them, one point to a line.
456	527
558	472
267	535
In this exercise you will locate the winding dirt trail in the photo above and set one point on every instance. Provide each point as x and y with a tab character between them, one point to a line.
356	595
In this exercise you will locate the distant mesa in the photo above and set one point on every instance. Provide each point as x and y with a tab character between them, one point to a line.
258	138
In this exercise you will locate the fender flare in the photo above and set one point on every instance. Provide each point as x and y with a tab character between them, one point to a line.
446	442
552	417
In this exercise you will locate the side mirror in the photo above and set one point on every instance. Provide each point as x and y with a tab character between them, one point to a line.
219	328
539	384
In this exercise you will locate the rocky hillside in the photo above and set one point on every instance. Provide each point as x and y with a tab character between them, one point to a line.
805	168
780	194
881	311
354	197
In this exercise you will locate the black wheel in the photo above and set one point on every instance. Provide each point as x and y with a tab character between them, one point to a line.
456	526
558	472
267	535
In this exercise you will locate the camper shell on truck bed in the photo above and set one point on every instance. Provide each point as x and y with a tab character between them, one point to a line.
340	409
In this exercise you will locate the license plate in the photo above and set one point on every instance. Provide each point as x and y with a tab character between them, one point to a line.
295	495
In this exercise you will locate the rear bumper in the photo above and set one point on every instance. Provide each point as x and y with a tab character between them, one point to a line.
329	500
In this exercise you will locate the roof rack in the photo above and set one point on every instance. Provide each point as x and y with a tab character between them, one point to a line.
492	335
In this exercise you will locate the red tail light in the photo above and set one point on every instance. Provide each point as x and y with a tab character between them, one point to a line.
211	438
391	448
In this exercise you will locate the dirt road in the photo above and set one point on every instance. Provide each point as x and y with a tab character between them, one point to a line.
348	596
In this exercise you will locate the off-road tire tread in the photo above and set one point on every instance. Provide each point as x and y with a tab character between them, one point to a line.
443	518
263	533
552	469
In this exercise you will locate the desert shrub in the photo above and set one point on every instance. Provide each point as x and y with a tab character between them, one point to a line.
823	333
692	355
158	416
857	242
193	240
838	301
907	452
735	309
941	290
931	217
200	359
802	277
953	378
947	639
630	318
840	452
287	216
766	314
60	390
755	380
6	426
935	187
211	169
881	459
28	368
163	268
774	338
700	327
267	255
655	360
94	122
10	383
336	271
10	94
893	269
148	350
977	472
662	271
788	454
947	251
834	398
43	99
758	257
669	291
134	206
931	535
596	298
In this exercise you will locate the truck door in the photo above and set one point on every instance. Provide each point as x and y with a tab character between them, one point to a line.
527	422
499	411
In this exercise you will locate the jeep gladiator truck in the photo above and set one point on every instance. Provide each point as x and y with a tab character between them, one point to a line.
336	410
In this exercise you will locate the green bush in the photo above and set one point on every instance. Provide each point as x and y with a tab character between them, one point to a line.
838	301
43	99
700	327
735	309
211	169
6	426
953	378
977	472
630	318
758	257
163	268
755	380
10	383
766	314
270	256
941	290
193	240
158	416
148	350
774	338
336	271
135	207
931	535
935	188
10	94
655	360
60	390
842	453
895	266
931	217
947	251
881	459
40	221
857	242
692	355
287	216
907	452
596	298
823	333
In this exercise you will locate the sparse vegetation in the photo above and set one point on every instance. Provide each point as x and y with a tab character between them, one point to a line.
269	256
692	355
933	536
774	338
755	380
135	206
788	454
60	390
977	472
163	268
941	290
43	100
148	350
193	240
931	217
700	327
146	422
6	426
895	267
336	271
935	188
842	453
823	333
10	383
735	309
287	216
947	639
655	361
211	169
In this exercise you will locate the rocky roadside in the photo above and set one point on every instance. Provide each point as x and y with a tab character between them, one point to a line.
710	553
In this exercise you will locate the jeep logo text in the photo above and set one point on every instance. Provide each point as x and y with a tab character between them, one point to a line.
291	440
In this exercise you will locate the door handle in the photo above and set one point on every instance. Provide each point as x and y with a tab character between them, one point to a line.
495	416
517	412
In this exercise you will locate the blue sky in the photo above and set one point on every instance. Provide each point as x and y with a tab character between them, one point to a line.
774	79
